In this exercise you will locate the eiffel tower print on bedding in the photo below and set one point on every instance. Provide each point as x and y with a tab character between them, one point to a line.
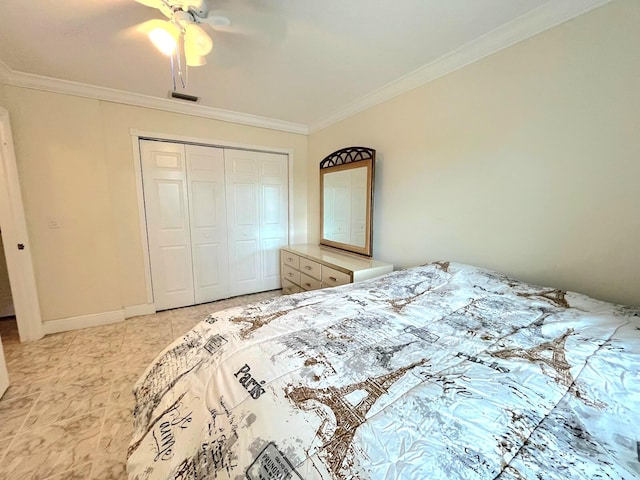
443	371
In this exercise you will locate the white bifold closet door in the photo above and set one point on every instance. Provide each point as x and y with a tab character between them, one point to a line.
257	209
205	184
211	214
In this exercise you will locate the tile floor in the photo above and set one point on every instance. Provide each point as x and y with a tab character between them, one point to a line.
67	412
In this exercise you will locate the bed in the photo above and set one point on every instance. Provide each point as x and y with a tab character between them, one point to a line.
439	371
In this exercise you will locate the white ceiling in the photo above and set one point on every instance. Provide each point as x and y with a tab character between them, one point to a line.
297	61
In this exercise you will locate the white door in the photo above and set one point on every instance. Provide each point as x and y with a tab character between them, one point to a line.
216	219
257	216
14	232
241	178
168	225
205	175
273	215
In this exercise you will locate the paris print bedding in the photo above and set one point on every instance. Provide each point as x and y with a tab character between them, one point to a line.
441	371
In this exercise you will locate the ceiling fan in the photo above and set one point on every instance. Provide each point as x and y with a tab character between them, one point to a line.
181	37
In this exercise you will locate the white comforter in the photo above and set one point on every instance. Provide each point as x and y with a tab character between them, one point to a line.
442	371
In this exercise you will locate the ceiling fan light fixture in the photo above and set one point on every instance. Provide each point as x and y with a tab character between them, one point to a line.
194	60
163	40
197	40
181	38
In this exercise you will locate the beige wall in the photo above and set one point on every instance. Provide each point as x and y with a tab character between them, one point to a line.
76	166
527	162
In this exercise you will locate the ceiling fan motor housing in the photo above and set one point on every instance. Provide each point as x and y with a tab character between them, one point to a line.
197	8
183	18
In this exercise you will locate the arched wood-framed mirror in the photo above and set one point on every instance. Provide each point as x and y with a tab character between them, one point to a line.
346	199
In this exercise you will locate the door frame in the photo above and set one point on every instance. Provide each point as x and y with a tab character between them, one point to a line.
137	135
14	233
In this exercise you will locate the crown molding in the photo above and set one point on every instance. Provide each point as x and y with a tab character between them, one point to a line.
38	82
536	21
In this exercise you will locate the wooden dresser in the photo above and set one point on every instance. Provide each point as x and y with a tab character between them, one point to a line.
310	267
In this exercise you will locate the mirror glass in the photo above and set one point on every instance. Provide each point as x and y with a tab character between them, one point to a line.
345	206
346	200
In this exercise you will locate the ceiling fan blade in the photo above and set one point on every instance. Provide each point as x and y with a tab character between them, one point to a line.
161	5
150	3
249	23
217	21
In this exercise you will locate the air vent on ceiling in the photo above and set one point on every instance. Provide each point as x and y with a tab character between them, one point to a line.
183	96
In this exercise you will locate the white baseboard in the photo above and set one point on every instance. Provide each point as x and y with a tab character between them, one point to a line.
137	310
97	319
83	321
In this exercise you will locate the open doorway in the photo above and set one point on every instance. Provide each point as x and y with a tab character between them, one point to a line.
8	325
6	300
16	248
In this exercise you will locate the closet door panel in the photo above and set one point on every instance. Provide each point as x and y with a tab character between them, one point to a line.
241	162
245	261
271	263
209	278
167	212
274	230
175	261
205	173
243	207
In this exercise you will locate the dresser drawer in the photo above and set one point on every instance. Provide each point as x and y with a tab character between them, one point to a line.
309	283
332	277
290	259
290	274
310	268
288	288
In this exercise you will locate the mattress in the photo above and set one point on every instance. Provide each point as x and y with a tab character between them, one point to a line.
440	371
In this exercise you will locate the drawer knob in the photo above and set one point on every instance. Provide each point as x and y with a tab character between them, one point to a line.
307	267
308	285
333	279
290	259
290	274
